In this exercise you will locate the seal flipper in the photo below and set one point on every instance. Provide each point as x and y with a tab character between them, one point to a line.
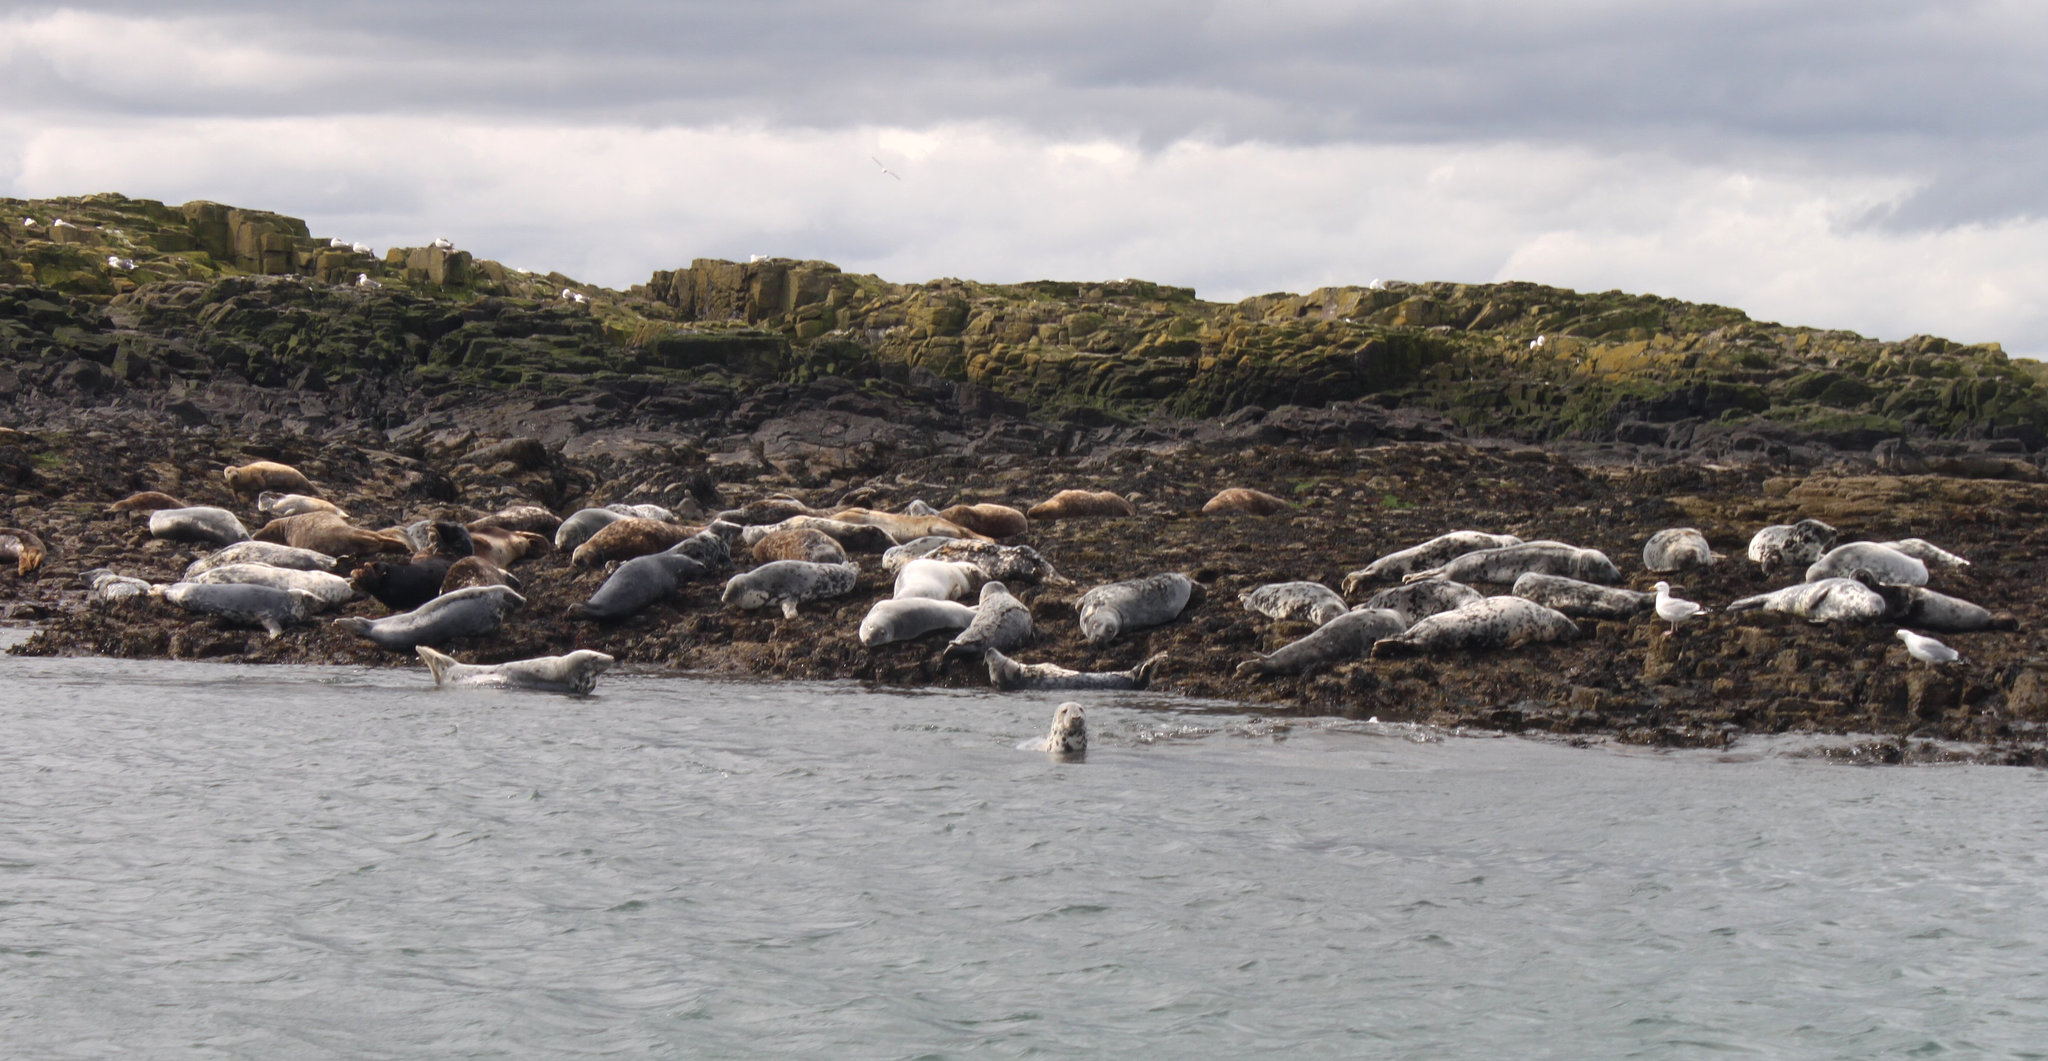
1141	675
789	609
355	624
438	663
271	626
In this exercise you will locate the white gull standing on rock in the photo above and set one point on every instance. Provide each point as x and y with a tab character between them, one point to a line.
1674	610
1927	649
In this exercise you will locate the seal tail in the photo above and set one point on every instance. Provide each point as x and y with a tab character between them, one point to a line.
437	662
1393	648
355	624
1141	675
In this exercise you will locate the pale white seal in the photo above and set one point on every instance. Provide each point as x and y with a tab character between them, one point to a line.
204	524
270	553
1890	566
279	505
1307	602
1830	600
1347	637
643	511
1677	549
575	673
788	583
1134	604
1431	553
105	586
913	617
583	523
937	579
466	612
264	606
1008	674
1492	622
333	590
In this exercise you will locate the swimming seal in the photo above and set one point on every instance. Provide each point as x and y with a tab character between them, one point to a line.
1001	622
910	618
1677	549
1890	566
265	606
643	580
254	552
332	590
1078	504
1007	563
24	548
267	475
583	523
1347	637
1134	604
1239	500
1308	602
937	579
463	613
788	583
1581	600
1431	553
800	543
402	585
1491	622
1828	600
626	539
202	524
1008	674
988	519
274	504
1416	601
1068	738
1508	563
575	673
1790	544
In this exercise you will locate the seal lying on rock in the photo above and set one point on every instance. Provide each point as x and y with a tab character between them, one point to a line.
477	571
937	579
1068	737
769	510
788	583
1347	637
1828	600
1509	563
402	585
1677	549
506	547
1929	610
1001	622
1416	601
147	501
1008	563
910	618
583	523
325	532
654	512
1134	604
1306	602
521	518
22	547
265	606
575	673
257	476
274	504
800	543
203	524
253	552
643	580
988	519
1582	600
1790	544
1008	674
895	557
332	590
104	586
438	537
1927	553
463	613
902	528
853	537
1492	622
1239	500
626	539
1076	504
1890	566
1431	553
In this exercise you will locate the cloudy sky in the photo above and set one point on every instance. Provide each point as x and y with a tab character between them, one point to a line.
1877	165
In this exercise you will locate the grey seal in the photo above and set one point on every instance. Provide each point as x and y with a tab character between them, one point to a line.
271	553
643	580
1927	553
575	673
1929	610
463	613
1829	600
1677	549
276	505
1890	566
895	557
203	524
890	621
104	586
1006	563
265	606
653	512
1347	637
333	590
1416	601
1001	622
788	583
1790	544
1068	738
1492	622
1581	600
1007	674
1508	563
439	537
1133	604
853	537
1310	602
1431	553
583	523
937	579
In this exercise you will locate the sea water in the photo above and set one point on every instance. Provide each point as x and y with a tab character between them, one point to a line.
224	861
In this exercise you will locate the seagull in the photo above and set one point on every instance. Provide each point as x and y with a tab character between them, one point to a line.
363	280
61	223
442	244
885	169
340	244
29	222
1928	650
115	261
359	248
1537	343
574	295
1674	610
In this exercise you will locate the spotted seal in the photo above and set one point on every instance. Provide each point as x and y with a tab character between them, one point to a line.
895	557
1929	610
521	518
104	586
1308	602
937	579
895	620
987	519
325	532
788	583
439	537
477	571
1133	604
1001	622
463	613
1077	504
575	673
800	543
256	476
332	590
626	539
643	580
1828	600
1491	622
1347	637
1240	500
1431	553
24	548
853	537
1007	563
1068	738
1508	563
1790	544
1007	674
254	552
266	606
1416	601
1890	566
274	504
1581	600
654	512
581	524
201	524
1677	549
1928	553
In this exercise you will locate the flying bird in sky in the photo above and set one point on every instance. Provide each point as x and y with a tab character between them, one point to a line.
885	169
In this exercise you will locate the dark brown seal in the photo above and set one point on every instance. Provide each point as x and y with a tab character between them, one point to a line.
476	571
799	543
1240	500
146	502
1074	504
995	521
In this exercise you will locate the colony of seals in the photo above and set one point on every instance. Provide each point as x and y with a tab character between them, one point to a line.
1134	604
463	613
575	673
1429	554
1308	602
1347	637
1491	622
1009	675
